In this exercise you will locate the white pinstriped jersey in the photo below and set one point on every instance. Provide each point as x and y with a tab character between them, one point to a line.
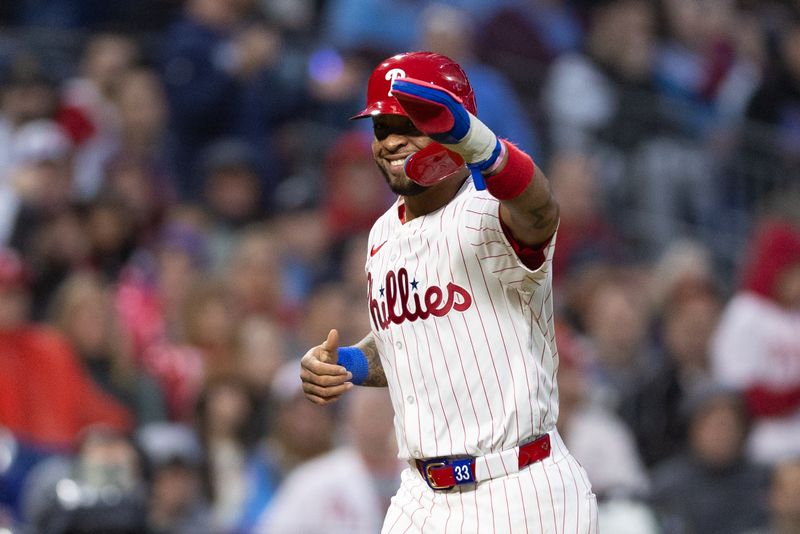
464	330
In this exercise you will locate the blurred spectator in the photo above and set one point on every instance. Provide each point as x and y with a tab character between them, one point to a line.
143	194
274	77
253	274
350	24
240	483
683	265
602	103
775	106
151	298
214	61
106	58
600	441
688	317
59	399
142	114
712	487
699	66
335	85
585	233
756	348
232	195
706	66
676	195
603	90
46	227
58	247
141	143
450	31
208	325
784	506
174	461
354	191
522	38
101	489
298	430
28	93
25	95
89	112
82	310
42	175
162	278
615	316
198	68
261	349
775	101
111	236
304	239
367	460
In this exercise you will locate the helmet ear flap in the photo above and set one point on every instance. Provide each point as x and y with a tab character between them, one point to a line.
425	66
433	164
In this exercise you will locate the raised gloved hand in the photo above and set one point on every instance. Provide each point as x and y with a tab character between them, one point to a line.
440	115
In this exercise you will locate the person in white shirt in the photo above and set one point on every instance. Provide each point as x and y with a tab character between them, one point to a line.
350	486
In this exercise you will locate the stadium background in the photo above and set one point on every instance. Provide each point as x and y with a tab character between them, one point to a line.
183	212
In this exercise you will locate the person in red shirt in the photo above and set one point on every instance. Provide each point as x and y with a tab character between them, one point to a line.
46	397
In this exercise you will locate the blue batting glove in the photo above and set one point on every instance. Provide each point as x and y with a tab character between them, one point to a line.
439	114
436	112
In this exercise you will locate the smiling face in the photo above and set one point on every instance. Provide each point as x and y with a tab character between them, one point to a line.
396	138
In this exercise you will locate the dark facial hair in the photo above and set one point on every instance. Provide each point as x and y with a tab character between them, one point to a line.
410	189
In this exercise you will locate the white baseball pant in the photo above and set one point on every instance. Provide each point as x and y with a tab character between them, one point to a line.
552	496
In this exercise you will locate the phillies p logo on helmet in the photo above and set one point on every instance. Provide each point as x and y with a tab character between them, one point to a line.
393	75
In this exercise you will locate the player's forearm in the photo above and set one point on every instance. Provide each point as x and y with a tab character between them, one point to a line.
375	377
532	216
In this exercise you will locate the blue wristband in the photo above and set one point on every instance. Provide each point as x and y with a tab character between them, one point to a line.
354	360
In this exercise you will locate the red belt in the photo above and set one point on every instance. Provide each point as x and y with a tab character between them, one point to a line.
448	472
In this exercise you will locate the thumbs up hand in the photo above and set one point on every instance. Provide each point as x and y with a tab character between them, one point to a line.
324	380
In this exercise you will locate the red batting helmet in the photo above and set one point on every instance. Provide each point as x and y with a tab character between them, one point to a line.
426	66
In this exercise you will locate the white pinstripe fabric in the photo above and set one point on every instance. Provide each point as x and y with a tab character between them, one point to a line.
549	497
466	337
466	382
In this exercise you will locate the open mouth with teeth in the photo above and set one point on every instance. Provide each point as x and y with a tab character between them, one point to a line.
397	166
398	162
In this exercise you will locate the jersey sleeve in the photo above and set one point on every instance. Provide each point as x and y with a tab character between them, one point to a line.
512	263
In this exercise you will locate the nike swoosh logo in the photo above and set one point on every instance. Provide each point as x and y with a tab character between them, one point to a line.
374	250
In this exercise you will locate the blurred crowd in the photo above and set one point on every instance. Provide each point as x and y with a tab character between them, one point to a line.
183	213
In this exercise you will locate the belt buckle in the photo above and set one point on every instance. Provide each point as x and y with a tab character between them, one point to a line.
429	478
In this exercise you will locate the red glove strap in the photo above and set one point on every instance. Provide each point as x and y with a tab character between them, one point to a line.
515	176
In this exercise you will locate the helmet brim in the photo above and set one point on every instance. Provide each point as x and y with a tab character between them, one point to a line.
383	107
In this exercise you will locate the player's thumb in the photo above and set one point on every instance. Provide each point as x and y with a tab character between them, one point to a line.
328	353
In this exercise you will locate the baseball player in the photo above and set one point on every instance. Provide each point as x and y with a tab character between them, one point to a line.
460	301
